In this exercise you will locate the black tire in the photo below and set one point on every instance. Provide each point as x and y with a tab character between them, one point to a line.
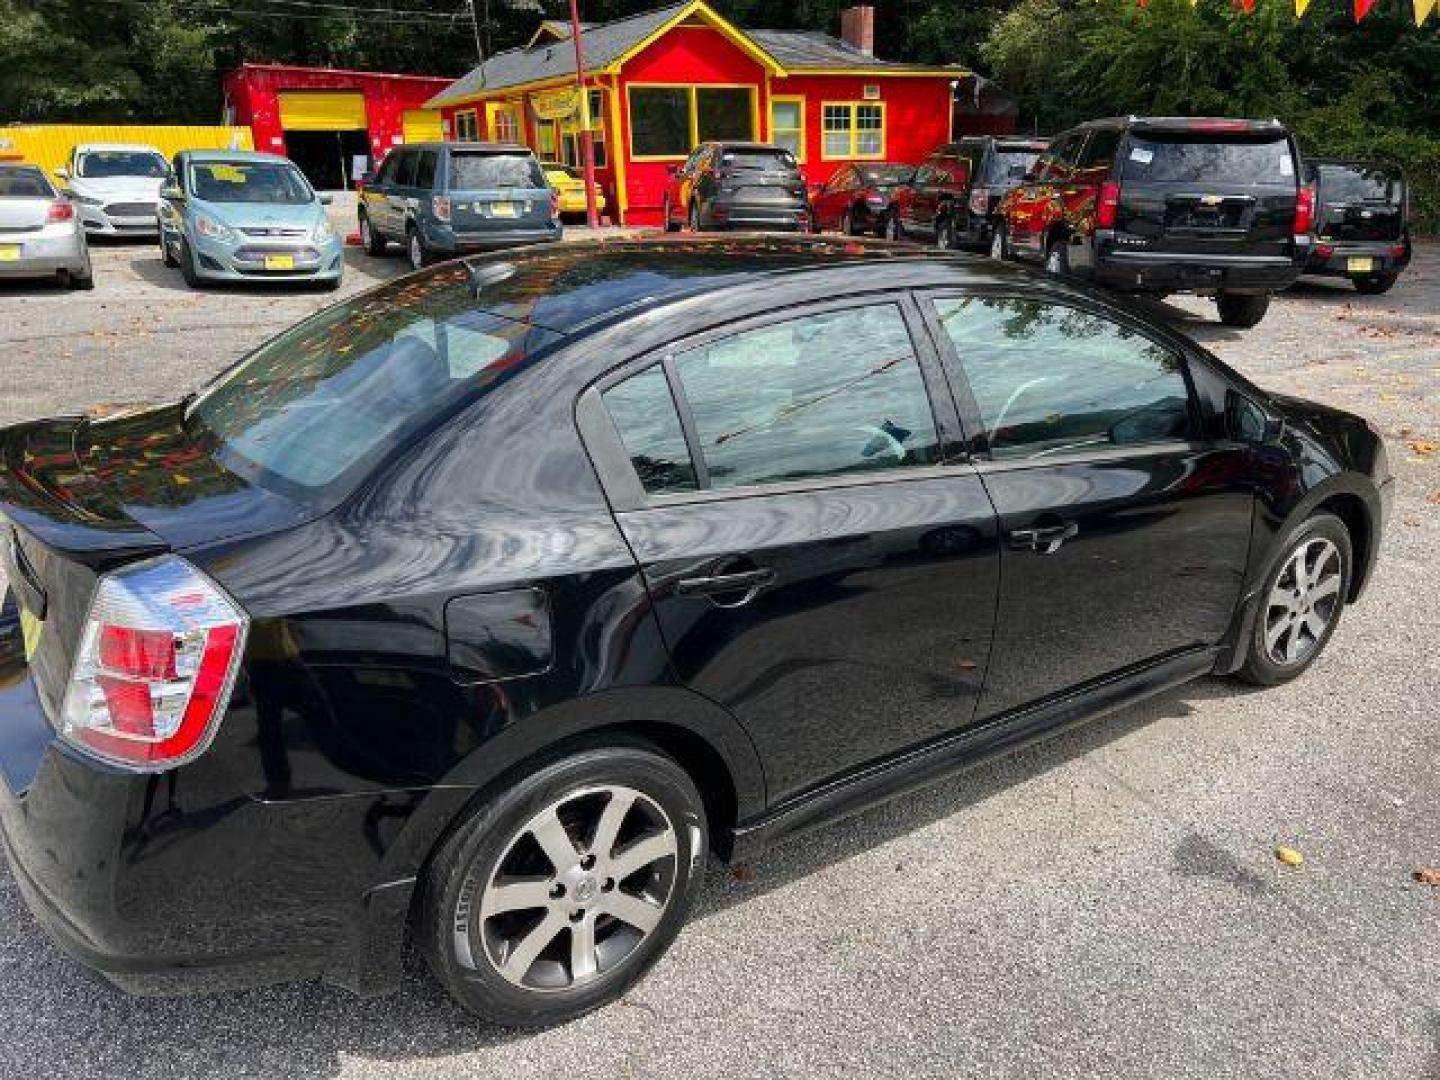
81	282
416	252
1260	666
460	943
187	265
1057	257
1375	284
671	225
1000	242
945	236
847	222
375	243
166	255
1242	310
893	229
692	217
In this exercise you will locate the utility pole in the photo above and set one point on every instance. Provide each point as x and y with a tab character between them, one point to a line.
475	27
587	136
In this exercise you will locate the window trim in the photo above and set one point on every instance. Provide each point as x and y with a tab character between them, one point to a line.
622	484
854	130
494	110
474	117
978	445
691	90
790	99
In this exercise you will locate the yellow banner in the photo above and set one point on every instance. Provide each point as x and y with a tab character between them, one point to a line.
1301	6
1423	10
555	104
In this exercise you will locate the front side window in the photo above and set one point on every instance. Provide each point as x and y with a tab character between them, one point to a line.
405	170
1052	380
787	125
249	182
853	129
649	426
425	170
828	394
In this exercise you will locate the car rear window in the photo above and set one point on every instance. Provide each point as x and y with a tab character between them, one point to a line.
1355	183
757	159
1201	156
484	172
309	413
26	183
249	182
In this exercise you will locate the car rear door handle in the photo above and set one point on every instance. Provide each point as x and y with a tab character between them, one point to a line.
740	586
1046	540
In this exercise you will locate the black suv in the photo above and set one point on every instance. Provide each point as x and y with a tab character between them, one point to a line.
737	185
1362	222
1165	205
954	194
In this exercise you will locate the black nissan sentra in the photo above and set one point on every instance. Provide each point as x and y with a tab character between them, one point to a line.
480	607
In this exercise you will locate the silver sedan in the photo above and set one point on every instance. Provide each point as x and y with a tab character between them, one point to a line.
40	233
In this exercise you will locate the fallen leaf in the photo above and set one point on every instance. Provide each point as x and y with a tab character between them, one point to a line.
743	874
1424	447
1289	856
1434	497
1427	875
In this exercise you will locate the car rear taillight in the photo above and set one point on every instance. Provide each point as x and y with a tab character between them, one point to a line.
1397	251
1304	211
158	656
875	199
980	201
1107	207
440	206
1324	250
60	210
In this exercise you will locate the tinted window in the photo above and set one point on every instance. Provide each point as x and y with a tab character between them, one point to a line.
1010	165
425	170
249	182
1192	159
487	172
405	170
98	164
24	183
1052	380
308	411
822	395
776	159
1100	151
1354	183
644	413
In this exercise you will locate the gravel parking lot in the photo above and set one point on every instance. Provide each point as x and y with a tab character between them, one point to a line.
1106	904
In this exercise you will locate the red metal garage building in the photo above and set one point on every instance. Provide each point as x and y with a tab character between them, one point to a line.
328	119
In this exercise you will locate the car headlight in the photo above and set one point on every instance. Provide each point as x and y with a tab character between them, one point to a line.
206	226
323	231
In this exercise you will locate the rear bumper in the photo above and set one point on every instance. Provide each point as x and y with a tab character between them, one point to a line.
1333	259
1146	271
448	241
46	251
786	217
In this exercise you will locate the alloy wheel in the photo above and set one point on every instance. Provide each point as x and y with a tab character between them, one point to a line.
578	888
1303	602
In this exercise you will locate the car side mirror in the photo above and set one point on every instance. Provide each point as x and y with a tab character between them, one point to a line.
327	200
1247	421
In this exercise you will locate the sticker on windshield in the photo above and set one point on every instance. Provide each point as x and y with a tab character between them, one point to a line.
1144	155
1287	166
229	173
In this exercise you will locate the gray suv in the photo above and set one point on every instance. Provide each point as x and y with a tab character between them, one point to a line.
445	199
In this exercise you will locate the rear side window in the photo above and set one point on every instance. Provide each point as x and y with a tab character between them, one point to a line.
24	183
1197	158
644	414
827	394
1099	155
425	169
405	171
1051	380
487	172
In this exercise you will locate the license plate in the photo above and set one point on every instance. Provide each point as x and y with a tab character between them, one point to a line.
9	252
502	209
279	262
30	631
1359	264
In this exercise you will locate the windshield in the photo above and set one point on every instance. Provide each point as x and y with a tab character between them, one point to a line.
1201	158
883	175
757	159
102	164
1012	164
249	182
1355	183
485	172
24	183
311	411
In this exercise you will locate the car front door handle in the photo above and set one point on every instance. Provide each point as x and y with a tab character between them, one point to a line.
727	590
1046	540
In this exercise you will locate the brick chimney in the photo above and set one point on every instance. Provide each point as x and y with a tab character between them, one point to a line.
857	28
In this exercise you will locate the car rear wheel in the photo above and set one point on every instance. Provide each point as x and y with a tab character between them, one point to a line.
893	229
415	249
1000	242
374	242
847	223
693	217
166	255
945	236
1299	604
83	281
671	225
558	894
1375	284
1242	310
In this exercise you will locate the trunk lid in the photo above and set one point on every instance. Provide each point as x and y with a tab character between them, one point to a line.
23	215
496	189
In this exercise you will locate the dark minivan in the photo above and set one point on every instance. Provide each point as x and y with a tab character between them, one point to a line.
955	192
1362	222
737	185
479	608
445	199
1166	204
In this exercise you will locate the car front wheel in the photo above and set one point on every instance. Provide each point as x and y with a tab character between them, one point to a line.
1242	310
1057	258
373	241
188	270
1299	604
415	249
562	890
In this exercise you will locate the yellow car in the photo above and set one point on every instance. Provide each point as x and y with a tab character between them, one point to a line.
569	183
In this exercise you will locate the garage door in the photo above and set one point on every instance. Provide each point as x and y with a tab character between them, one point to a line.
421	125
322	110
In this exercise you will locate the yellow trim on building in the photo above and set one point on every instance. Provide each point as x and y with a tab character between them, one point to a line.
690	89
880	73
791	99
733	33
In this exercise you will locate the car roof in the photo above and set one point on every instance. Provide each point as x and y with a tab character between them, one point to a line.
494	147
234	155
741	144
574	287
98	147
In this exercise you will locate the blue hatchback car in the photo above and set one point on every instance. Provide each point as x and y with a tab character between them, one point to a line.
228	215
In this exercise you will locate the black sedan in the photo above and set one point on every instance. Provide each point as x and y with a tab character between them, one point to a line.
478	608
856	198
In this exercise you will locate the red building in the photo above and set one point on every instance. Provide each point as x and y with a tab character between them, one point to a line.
664	81
328	121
